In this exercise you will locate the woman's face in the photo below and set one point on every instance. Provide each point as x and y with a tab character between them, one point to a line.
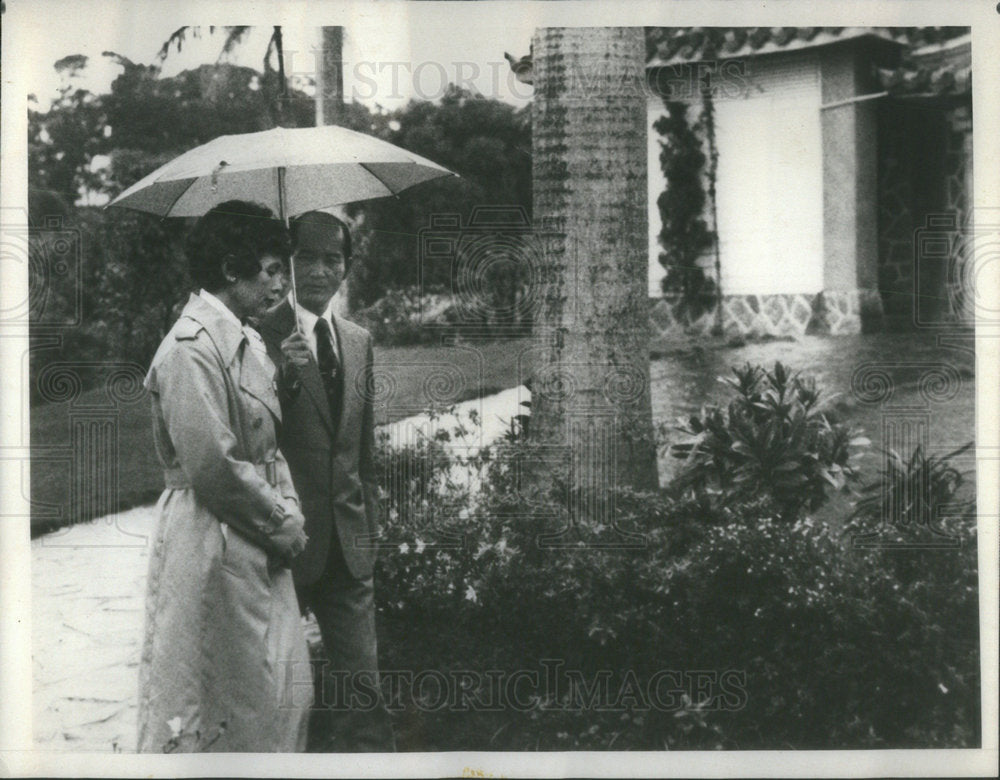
256	294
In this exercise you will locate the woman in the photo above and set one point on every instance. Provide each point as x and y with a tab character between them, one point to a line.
224	663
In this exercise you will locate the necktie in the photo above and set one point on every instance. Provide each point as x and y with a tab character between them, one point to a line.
329	366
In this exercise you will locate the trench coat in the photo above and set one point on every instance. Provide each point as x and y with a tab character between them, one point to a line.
224	664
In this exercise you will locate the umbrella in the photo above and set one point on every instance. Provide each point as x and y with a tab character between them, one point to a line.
289	170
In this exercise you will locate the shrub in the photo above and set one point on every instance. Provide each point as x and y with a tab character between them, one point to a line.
824	645
914	541
904	502
408	315
773	442
396	319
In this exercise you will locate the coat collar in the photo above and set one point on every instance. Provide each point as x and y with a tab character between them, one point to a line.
224	332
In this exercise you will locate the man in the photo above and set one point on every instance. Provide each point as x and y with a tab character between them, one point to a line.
327	436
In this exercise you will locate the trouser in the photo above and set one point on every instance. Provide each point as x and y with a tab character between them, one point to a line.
350	709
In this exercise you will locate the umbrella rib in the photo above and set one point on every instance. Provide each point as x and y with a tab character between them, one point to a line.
180	195
371	173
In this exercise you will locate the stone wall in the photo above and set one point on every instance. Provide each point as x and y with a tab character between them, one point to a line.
836	313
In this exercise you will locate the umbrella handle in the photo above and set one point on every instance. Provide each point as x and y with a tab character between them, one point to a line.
283	213
295	300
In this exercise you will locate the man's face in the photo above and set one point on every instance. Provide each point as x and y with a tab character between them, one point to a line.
319	263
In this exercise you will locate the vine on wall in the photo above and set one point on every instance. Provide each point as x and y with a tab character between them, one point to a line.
708	119
685	236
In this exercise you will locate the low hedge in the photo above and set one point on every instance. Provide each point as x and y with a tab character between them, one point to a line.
684	624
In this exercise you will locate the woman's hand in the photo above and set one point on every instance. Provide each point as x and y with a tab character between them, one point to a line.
290	537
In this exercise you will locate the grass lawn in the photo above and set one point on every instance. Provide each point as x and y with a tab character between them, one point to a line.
684	376
417	376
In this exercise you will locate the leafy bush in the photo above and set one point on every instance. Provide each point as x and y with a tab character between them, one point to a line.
914	536
913	539
823	645
910	493
125	280
773	441
400	317
408	315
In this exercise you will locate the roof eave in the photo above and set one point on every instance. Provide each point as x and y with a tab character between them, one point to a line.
770	48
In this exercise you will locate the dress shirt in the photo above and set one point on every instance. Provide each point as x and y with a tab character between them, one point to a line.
308	321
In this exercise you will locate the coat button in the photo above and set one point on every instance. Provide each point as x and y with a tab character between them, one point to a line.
258	421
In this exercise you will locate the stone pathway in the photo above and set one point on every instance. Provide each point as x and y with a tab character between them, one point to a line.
88	586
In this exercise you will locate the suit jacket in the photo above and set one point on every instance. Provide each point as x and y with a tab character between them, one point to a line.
332	464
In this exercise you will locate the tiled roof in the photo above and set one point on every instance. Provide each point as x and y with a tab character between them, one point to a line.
676	45
934	61
933	70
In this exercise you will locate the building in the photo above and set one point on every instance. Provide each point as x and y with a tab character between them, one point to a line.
843	177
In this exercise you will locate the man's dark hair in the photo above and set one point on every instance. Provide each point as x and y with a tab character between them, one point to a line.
316	216
239	232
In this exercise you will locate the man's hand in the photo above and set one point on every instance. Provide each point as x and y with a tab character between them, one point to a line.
290	538
295	356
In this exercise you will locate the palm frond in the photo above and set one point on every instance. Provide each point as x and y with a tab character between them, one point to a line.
234	37
177	38
272	45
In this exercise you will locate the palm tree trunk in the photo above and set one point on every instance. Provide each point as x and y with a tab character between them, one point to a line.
279	105
590	394
329	111
330	77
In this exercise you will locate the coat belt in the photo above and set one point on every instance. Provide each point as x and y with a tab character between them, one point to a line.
176	479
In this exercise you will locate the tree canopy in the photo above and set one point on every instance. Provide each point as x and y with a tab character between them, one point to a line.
89	147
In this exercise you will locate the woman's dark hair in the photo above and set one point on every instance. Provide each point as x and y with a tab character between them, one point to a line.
238	232
295	223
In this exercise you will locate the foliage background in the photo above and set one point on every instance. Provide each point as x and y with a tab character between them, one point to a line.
133	273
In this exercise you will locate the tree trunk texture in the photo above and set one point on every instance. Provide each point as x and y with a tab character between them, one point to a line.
590	392
329	111
330	77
